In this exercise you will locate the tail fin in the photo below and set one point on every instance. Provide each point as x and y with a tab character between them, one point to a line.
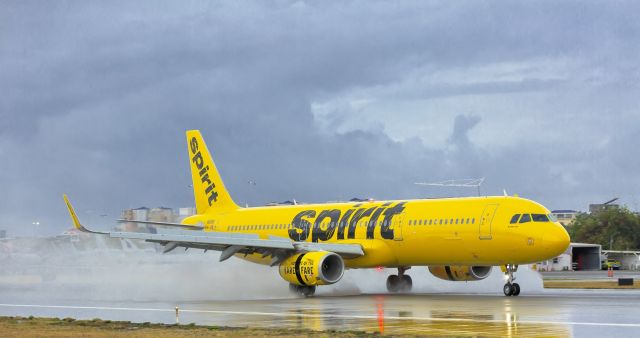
208	189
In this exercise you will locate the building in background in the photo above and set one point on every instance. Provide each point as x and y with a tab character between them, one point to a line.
595	208
185	212
161	214
579	256
565	217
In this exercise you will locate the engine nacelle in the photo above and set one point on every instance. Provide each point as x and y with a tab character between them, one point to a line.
312	268
460	272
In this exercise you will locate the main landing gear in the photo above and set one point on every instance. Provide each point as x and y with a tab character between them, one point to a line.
510	288
399	282
302	290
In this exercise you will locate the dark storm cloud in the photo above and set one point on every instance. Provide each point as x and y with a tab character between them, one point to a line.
97	96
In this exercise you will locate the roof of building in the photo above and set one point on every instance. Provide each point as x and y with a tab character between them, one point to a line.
563	211
583	245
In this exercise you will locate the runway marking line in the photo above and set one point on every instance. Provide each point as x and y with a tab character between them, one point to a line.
303	315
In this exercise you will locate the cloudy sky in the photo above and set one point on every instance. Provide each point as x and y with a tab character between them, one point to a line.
316	101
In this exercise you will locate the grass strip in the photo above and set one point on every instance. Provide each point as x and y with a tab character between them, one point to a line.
69	327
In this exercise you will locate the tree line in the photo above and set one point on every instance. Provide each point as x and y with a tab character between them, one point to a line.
613	228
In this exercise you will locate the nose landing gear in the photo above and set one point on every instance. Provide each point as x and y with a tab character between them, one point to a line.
399	282
510	288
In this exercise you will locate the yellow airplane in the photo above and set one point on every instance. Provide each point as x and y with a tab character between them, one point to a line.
458	239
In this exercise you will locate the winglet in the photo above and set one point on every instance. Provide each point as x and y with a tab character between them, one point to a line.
74	217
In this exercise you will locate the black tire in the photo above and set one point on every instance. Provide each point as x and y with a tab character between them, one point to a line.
302	290
516	289
406	284
508	289
308	291
393	283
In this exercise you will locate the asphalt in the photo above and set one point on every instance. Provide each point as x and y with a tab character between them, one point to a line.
559	314
147	287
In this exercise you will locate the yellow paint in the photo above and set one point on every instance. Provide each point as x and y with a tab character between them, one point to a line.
466	231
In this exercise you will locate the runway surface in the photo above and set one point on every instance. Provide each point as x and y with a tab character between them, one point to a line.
144	286
558	314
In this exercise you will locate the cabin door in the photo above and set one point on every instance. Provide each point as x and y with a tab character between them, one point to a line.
485	221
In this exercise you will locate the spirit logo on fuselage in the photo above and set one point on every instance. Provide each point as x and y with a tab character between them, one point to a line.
333	219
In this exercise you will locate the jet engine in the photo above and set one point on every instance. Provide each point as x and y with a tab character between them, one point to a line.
460	272
312	268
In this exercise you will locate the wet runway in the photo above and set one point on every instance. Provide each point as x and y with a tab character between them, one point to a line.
557	313
141	286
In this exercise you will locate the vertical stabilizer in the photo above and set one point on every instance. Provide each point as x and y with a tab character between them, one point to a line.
208	189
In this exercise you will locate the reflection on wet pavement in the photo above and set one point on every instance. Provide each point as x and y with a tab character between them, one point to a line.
392	314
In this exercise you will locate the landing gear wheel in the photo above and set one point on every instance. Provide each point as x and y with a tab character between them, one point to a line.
393	283
308	291
511	288
399	282
406	284
302	290
508	289
516	289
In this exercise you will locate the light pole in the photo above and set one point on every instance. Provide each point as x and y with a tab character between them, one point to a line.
252	183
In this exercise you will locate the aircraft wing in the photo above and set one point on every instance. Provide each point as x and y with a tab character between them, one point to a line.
165	224
277	248
231	244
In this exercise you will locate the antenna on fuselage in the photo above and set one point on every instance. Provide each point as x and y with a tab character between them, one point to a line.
464	183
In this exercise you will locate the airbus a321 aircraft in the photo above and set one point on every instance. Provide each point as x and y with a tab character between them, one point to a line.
458	239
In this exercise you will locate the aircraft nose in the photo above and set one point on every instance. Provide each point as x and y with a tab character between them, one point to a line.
556	239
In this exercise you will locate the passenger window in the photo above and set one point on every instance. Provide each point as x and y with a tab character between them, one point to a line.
445	221
473	221
456	221
525	218
515	218
430	221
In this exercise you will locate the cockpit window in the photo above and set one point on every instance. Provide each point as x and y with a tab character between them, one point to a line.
553	217
525	218
514	219
540	218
